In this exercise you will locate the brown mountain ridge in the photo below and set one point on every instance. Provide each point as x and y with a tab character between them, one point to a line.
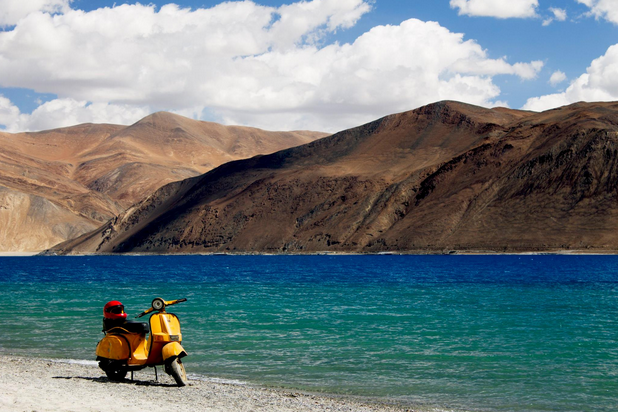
58	184
447	176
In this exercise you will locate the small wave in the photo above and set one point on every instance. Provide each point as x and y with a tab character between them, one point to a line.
217	380
76	362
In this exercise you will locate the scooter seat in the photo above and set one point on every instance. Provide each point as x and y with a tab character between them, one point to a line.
128	326
136	327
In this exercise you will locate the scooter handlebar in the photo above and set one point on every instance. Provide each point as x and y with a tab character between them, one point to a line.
147	311
167	303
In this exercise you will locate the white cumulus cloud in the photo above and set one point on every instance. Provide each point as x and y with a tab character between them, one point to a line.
9	114
558	15
68	112
12	11
599	83
557	77
240	63
502	9
607	9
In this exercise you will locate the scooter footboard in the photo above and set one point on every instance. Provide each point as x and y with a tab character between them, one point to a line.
173	350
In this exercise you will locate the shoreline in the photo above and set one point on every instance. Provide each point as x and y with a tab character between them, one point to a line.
38	384
18	254
454	252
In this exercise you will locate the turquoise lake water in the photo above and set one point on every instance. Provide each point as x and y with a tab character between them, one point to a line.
462	333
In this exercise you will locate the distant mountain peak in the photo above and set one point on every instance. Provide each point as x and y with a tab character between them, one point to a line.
85	174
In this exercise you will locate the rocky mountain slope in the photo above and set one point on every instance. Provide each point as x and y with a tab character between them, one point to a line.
447	176
58	184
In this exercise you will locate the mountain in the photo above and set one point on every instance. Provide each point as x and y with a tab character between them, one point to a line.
447	176
58	184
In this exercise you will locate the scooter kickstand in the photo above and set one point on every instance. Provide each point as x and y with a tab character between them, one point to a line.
156	374
131	376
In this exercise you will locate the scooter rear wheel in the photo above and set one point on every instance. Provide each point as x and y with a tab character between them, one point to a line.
112	370
177	370
116	375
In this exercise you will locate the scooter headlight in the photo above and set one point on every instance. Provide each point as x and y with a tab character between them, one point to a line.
158	304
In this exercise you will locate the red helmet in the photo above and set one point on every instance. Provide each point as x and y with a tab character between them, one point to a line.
114	310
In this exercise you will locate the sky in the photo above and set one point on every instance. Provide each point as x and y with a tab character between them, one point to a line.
322	65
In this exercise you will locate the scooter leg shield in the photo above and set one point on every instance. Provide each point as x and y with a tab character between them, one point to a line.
172	351
113	347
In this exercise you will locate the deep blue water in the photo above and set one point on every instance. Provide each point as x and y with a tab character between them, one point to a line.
488	333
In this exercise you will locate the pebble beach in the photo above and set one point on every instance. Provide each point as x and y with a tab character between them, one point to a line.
32	384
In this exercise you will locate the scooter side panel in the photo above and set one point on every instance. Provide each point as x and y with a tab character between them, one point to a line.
138	344
113	347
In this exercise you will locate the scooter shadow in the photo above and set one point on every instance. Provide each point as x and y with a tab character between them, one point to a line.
105	380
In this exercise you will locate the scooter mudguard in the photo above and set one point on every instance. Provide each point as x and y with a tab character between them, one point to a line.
113	347
173	350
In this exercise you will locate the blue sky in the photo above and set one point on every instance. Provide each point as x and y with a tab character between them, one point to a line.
315	64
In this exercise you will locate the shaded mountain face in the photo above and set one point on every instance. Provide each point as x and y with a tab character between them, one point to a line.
58	184
447	176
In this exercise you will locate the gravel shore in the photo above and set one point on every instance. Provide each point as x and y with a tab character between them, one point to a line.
31	384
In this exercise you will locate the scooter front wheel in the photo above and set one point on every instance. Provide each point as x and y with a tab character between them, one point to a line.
177	370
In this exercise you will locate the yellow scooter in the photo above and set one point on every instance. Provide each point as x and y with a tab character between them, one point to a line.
125	346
